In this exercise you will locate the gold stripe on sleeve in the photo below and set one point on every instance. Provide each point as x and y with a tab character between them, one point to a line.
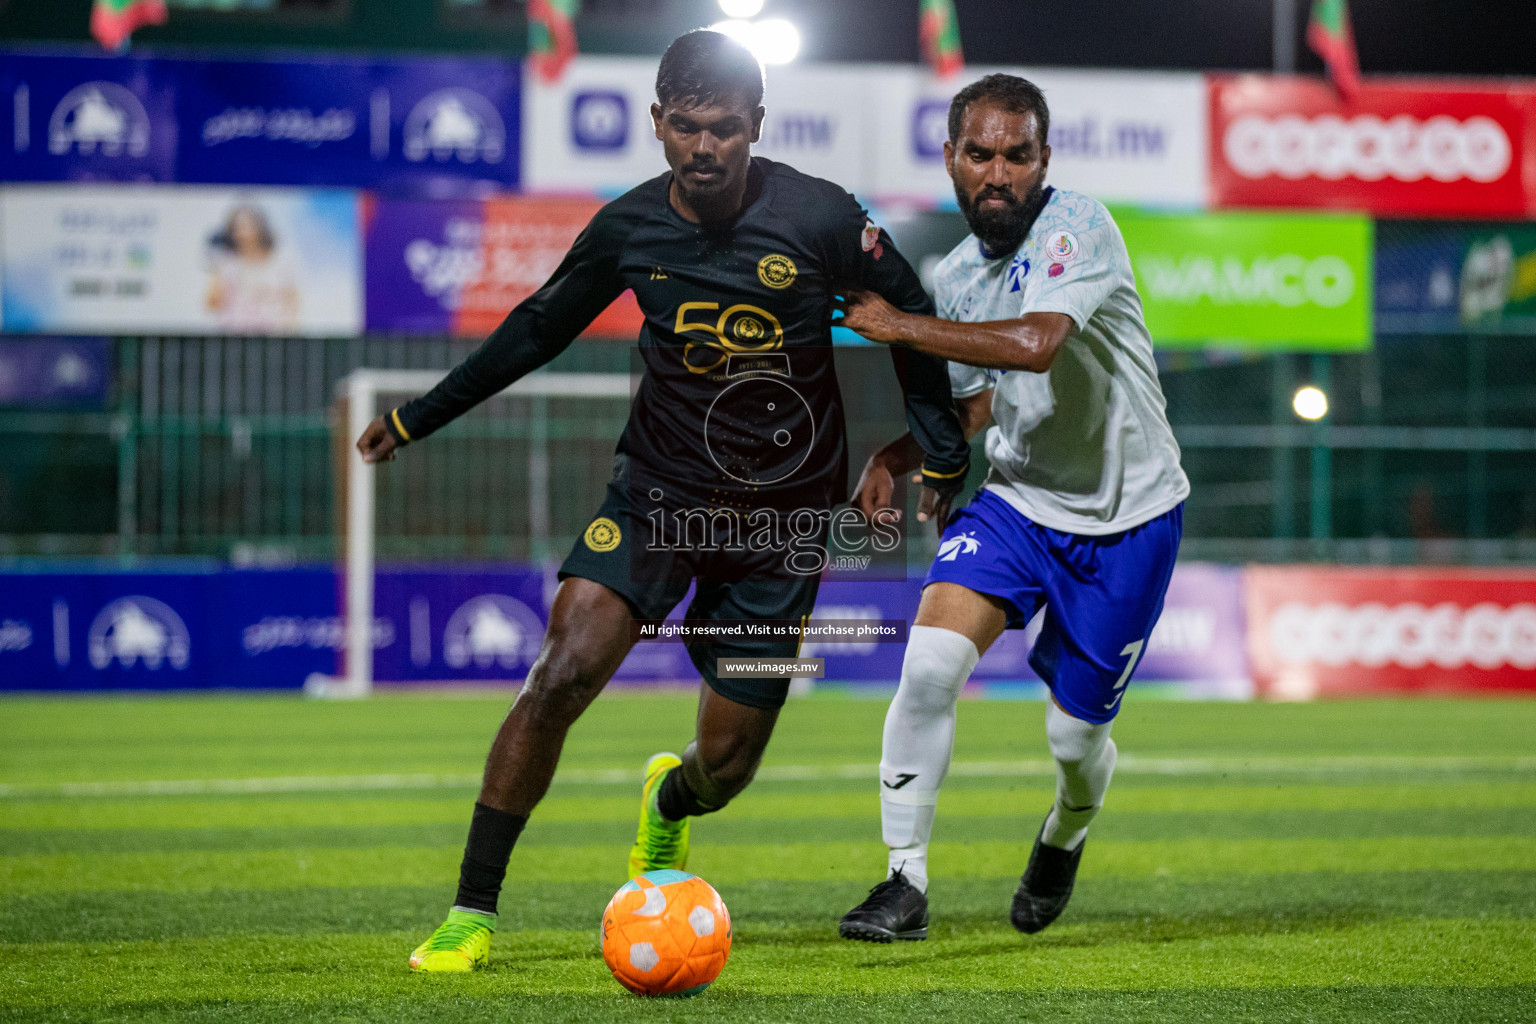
944	476
394	414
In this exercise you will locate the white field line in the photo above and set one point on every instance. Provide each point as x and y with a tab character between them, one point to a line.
1128	763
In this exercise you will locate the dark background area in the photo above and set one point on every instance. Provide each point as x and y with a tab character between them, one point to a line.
1394	36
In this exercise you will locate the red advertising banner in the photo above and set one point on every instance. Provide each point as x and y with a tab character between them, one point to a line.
1419	148
459	266
521	243
1336	631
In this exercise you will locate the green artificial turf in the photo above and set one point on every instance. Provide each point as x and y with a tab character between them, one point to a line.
264	858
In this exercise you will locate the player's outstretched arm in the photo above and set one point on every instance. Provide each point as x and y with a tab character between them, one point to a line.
540	328
1028	343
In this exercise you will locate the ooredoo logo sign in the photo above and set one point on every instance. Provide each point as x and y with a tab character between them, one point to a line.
1398	149
1407	634
1344	630
1368	147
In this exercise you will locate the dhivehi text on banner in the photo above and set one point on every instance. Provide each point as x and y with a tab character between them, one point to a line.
180	260
116	630
1252	280
420	125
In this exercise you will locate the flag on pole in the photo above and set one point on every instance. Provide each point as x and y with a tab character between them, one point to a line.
940	35
551	36
113	21
1331	38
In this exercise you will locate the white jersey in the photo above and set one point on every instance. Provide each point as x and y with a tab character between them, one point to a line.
1084	447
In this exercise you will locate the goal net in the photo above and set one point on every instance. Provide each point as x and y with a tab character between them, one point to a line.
514	479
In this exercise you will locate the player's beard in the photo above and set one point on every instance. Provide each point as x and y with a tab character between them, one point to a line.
1002	230
715	200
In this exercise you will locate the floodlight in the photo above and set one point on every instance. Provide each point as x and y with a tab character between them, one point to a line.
1310	403
772	40
741	8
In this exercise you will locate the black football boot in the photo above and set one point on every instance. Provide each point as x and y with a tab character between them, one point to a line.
894	909
1046	886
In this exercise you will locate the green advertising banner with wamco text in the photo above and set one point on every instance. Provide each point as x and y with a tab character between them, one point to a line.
1253	280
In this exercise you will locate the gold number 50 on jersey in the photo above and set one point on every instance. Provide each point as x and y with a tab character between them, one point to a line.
741	328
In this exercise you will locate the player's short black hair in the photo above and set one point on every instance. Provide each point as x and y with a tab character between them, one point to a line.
705	67
1014	94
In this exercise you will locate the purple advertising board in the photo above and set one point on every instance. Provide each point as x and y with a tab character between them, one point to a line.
420	257
87	119
1197	645
435	126
458	266
55	372
272	628
166	630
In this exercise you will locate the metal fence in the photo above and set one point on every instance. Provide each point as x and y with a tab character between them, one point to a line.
222	448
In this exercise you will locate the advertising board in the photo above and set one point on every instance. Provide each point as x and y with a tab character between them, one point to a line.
272	628
50	373
417	125
1118	136
1335	630
1447	277
178	259
878	130
1400	148
1253	280
592	130
458	266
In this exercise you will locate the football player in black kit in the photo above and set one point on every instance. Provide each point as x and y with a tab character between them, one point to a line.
736	262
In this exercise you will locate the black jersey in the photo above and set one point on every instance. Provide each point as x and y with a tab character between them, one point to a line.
739	405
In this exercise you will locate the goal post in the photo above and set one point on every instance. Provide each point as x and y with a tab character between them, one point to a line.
359	397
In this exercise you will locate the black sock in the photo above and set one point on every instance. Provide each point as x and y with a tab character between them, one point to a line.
676	799
492	834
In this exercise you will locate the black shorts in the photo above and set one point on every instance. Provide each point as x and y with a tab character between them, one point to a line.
622	550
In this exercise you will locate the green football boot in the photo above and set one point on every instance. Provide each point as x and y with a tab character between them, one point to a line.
659	843
461	943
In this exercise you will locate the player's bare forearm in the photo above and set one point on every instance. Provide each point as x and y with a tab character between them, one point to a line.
1029	343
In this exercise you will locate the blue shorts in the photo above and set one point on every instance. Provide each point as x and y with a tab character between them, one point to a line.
1102	594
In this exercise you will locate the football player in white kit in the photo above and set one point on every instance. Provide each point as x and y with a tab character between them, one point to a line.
1081	512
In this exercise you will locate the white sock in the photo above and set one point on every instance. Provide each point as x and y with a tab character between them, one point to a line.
919	739
1085	760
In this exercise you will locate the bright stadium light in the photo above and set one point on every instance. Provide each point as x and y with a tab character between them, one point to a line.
1310	403
772	40
741	8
